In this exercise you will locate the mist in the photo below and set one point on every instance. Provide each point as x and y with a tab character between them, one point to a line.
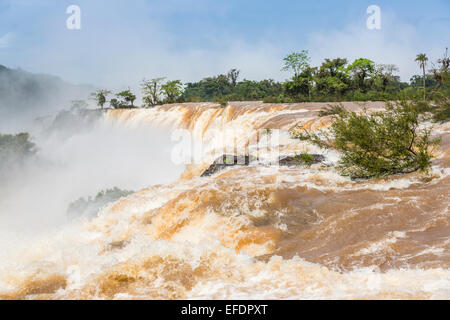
78	154
35	198
25	97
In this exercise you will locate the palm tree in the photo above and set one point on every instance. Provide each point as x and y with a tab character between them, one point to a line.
422	59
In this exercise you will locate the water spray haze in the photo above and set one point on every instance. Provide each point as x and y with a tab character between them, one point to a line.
67	168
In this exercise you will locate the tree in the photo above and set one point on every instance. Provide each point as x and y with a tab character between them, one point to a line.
441	92
233	75
297	62
377	144
300	86
19	144
385	73
333	67
417	81
14	150
361	69
301	82
172	90
332	77
257	90
115	103
127	97
209	88
90	206
422	59
441	73
151	90
100	97
441	111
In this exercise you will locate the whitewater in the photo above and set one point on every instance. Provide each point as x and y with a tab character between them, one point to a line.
248	232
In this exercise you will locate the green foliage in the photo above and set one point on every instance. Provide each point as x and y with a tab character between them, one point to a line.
14	150
151	90
305	159
441	92
417	81
232	76
209	88
331	110
115	103
91	206
277	99
125	99
384	76
422	60
267	131
422	106
296	62
333	80
172	90
256	90
300	86
100	97
380	143
226	87
223	101
441	110
332	77
361	70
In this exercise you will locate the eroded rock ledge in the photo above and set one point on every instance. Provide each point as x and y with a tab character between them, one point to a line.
227	160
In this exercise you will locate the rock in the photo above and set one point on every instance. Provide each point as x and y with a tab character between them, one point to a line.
227	160
301	159
244	160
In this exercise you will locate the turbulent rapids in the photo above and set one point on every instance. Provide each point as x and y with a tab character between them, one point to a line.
250	232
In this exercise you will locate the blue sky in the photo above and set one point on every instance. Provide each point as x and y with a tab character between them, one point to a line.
122	41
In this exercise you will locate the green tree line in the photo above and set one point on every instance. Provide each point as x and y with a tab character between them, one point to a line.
334	80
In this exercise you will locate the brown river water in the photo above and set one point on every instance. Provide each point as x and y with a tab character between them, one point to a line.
252	232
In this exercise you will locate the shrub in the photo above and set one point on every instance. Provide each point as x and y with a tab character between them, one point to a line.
378	144
15	152
126	99
267	131
271	99
222	100
15	148
305	159
331	110
441	99
441	111
91	206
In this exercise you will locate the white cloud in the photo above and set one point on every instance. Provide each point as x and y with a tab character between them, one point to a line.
158	55
396	43
111	52
5	40
122	57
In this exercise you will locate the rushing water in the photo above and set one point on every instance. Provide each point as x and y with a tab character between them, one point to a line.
261	231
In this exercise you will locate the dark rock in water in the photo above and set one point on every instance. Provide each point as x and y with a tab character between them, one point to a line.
301	159
228	161
244	160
